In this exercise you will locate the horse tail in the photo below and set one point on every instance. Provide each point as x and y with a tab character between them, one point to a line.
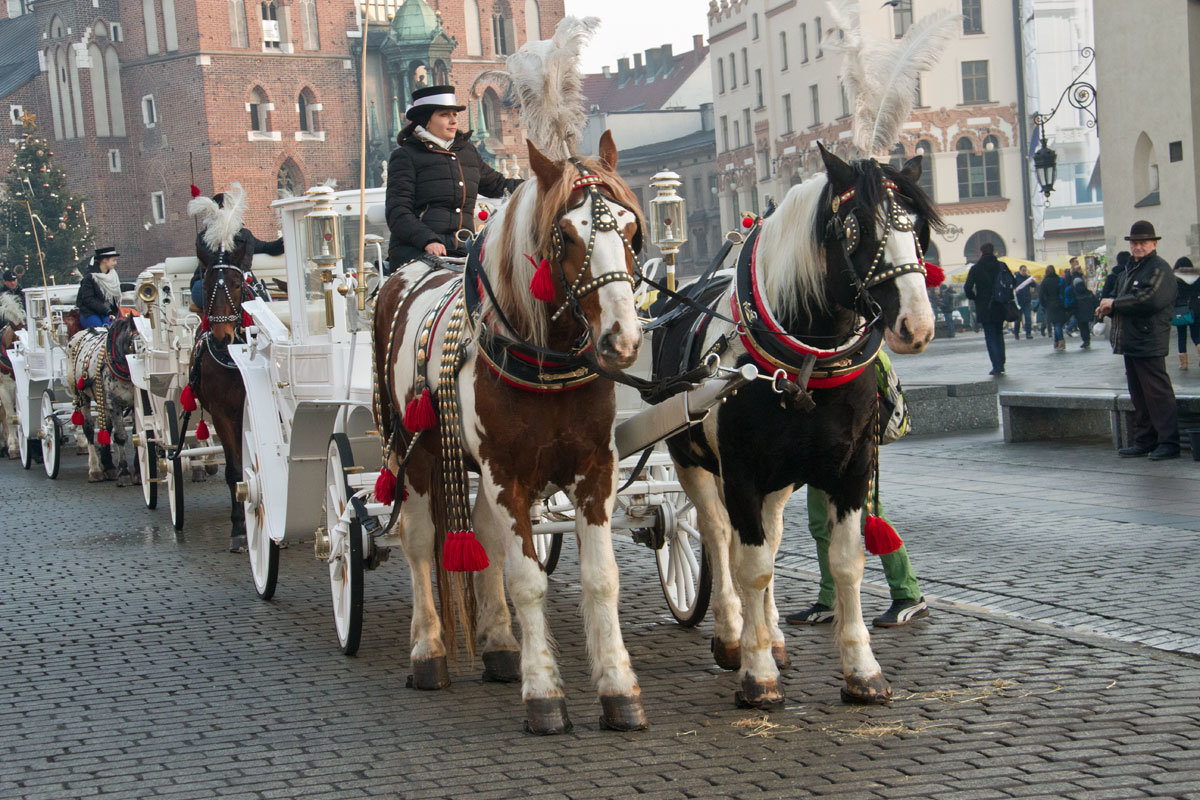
456	590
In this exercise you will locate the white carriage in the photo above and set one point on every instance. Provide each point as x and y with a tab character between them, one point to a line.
311	452
39	359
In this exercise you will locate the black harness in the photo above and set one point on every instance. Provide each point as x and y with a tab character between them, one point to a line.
235	315
121	371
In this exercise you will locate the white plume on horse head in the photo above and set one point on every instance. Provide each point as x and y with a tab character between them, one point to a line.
546	81
221	222
883	75
11	310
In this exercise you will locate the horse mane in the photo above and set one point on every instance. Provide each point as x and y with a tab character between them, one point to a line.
11	310
525	226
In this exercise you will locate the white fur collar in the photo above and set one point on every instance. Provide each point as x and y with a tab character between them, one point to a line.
429	137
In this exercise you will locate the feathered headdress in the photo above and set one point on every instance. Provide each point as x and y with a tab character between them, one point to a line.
883	75
221	222
545	80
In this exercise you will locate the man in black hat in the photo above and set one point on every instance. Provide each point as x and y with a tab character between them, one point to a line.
99	295
1141	331
434	178
10	286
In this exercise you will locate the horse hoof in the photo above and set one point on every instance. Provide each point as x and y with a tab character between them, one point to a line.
429	674
727	655
779	653
547	716
211	469
110	475
81	451
763	695
124	480
502	666
95	477
197	475
873	691
622	712
237	544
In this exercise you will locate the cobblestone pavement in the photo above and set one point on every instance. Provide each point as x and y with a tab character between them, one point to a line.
138	663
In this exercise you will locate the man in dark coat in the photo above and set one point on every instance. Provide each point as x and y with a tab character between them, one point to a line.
1084	310
980	287
207	255
11	286
434	178
1109	290
1141	331
1026	283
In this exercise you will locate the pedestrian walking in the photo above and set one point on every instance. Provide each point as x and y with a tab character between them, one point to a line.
99	296
1141	330
944	303
990	284
1084	309
1109	290
1186	314
1026	283
1050	295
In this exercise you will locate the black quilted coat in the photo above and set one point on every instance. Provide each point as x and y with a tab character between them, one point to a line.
91	300
431	194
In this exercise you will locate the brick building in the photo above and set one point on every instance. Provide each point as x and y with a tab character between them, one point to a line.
144	98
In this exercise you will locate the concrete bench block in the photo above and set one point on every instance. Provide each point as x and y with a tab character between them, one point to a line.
947	408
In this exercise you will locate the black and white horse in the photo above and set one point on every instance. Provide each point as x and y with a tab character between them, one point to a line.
835	270
97	371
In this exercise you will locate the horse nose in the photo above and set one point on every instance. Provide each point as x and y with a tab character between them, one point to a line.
616	346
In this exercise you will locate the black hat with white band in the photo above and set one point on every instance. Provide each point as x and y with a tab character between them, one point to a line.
432	98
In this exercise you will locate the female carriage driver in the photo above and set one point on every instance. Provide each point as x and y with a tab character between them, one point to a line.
99	296
434	177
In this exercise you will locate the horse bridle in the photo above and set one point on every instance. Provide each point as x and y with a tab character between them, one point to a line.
603	221
236	315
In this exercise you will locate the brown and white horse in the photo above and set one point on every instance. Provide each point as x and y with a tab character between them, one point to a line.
530	421
834	271
12	319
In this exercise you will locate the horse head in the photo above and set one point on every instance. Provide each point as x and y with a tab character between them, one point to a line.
875	221
224	284
588	230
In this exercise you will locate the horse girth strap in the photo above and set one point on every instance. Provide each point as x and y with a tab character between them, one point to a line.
455	481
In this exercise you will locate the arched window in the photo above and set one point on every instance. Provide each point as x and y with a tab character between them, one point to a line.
259	111
309	110
533	21
170	32
68	55
99	90
491	113
1145	171
721	75
502	28
474	40
441	75
289	181
151	20
237	24
272	36
116	102
979	238
978	173
309	37
925	150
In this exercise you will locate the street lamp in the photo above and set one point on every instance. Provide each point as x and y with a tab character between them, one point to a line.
1081	95
668	220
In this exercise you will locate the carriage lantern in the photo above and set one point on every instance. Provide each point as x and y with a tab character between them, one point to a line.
668	220
324	240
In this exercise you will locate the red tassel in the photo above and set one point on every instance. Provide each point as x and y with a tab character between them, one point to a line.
542	285
104	438
463	553
187	398
77	417
195	190
204	324
881	537
247	320
201	431
934	275
419	414
385	487
79	384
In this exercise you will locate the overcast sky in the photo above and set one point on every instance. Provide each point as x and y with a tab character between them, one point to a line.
632	26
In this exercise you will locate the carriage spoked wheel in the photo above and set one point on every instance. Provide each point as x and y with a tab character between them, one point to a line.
174	467
52	436
26	446
263	550
548	546
345	547
147	455
682	563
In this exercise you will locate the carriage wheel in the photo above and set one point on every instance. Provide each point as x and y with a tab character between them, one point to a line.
682	563
345	548
52	435
147	455
25	444
548	547
175	467
264	551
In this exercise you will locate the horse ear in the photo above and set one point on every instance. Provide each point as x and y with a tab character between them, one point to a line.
548	173
608	151
840	173
912	168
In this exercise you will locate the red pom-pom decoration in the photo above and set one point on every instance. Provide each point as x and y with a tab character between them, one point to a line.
205	325
247	320
747	221
881	538
542	285
201	431
79	383
934	275
103	438
463	553
419	414
385	487
77	417
195	190
187	398
483	215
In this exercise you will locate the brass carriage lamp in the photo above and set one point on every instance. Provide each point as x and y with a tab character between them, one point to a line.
324	226
668	220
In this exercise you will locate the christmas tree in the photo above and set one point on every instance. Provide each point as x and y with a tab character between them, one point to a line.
36	186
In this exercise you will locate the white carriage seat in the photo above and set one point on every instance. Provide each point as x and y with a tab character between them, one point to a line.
315	310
